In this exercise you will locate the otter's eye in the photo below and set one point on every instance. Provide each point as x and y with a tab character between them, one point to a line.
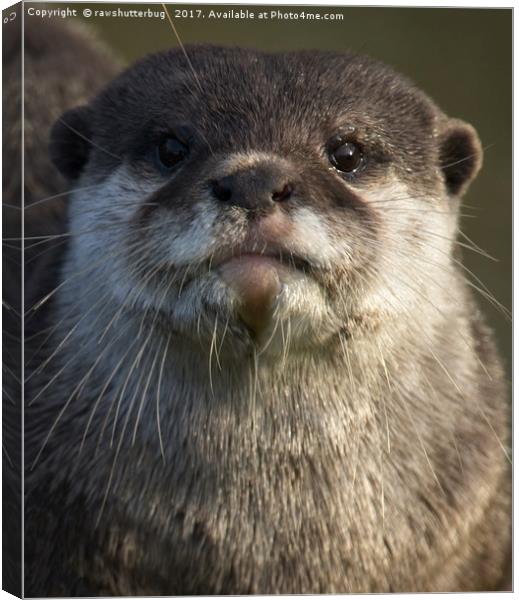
170	152
346	157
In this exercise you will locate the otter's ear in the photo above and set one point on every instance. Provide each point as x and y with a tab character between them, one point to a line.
69	141
461	155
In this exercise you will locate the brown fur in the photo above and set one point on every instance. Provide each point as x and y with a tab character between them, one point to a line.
364	456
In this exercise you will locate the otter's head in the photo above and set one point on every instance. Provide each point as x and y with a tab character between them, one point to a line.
263	196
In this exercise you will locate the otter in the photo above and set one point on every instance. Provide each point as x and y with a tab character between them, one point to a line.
260	368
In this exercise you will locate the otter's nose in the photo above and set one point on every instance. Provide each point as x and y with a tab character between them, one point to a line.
252	189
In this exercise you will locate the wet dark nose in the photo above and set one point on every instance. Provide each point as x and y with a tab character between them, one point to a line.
252	189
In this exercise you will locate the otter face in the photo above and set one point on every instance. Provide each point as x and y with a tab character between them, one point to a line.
264	196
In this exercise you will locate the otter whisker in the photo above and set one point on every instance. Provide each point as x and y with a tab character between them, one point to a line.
6	453
226	327
455	444
254	393
133	368
11	373
476	247
143	396
188	60
38	255
157	398
465	158
6	394
62	194
183	281
502	446
10	246
211	350
91	142
382	396
453	437
470	247
422	445
102	393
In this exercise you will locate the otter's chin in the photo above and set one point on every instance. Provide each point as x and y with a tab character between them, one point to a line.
256	282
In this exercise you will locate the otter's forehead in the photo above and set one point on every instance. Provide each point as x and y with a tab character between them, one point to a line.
244	98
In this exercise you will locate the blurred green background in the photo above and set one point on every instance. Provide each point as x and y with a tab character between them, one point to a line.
461	57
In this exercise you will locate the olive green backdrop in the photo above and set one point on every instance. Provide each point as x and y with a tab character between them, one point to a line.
461	57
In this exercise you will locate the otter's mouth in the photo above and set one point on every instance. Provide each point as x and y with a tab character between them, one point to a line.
285	258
